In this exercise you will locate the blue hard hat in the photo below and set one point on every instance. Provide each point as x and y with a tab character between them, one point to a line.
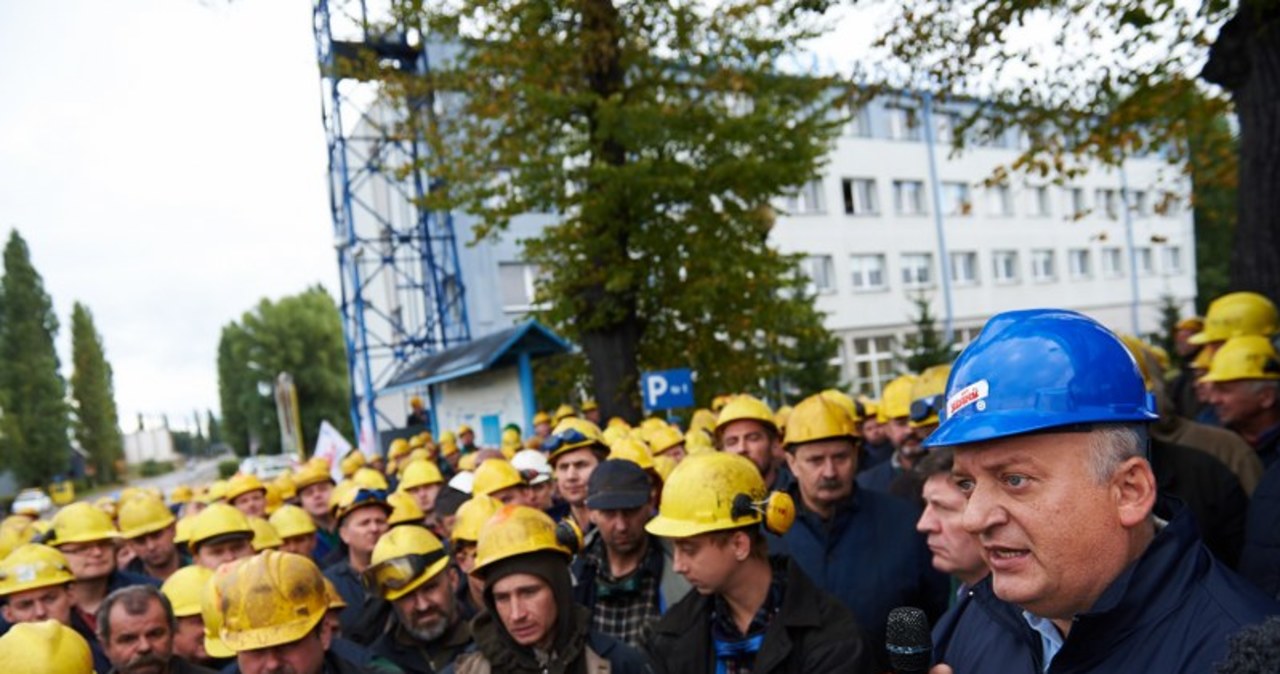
1040	369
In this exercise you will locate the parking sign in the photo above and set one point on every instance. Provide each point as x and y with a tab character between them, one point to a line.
667	389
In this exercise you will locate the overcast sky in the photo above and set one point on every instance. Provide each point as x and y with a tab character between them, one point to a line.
165	161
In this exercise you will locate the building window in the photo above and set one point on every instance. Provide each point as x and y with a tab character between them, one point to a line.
821	272
1038	196
1172	260
945	124
917	270
904	123
1138	203
1112	262
1146	264
860	196
808	199
908	197
1042	265
956	199
999	201
518	282
1170	206
1004	266
1108	202
1075	202
873	359
1079	266
964	268
859	124
868	272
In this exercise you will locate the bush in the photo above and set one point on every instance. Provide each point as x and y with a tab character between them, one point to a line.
152	468
228	468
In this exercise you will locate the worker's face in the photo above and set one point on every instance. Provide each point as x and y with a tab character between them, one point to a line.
155	549
431	608
622	531
464	555
572	470
750	438
710	561
540	494
824	471
425	496
1180	343
527	608
139	644
1237	402
92	560
188	641
1053	535
362	528
303	545
955	550
899	432
513	495
315	499
213	555
45	603
874	431
675	453
304	656
252	504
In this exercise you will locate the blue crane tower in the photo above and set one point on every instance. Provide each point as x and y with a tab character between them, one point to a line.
402	293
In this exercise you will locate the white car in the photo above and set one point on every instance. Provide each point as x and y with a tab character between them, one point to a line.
267	466
32	501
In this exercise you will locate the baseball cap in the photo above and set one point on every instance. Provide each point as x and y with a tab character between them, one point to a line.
618	484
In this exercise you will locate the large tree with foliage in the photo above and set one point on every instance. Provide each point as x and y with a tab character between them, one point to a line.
33	394
300	334
658	133
97	424
1104	80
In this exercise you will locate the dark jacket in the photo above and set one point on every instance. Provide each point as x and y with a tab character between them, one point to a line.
101	664
869	556
1170	611
494	652
879	477
137	568
1210	491
366	615
414	656
1260	561
179	666
336	664
119	579
812	633
671	587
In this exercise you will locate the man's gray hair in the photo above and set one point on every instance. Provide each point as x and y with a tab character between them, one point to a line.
1111	445
136	599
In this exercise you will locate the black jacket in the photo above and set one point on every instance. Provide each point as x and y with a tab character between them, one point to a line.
1209	490
811	634
415	657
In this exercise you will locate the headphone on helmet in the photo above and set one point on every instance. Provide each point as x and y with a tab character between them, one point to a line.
777	511
569	535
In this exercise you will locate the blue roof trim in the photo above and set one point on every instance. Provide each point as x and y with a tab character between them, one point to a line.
479	355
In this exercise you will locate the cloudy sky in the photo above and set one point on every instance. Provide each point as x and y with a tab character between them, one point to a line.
164	160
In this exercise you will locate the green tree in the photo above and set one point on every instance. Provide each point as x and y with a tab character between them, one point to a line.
1170	314
34	394
97	424
925	347
1213	177
215	428
300	334
658	133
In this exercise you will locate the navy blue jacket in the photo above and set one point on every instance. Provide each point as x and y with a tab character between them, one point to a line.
1170	611
869	556
366	614
1260	561
879	477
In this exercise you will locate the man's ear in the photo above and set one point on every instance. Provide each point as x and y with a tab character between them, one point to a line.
326	633
1134	485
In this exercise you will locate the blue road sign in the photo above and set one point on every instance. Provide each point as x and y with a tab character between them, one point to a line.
667	389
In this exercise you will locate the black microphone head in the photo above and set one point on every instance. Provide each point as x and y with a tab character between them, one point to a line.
908	640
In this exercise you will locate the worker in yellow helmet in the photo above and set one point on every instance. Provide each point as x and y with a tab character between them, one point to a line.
750	611
467	440
35	586
149	528
894	415
220	534
88	539
183	589
296	529
1238	314
247	493
362	515
1243	389
591	411
876	445
747	427
924	400
47	647
417	413
315	488
574	449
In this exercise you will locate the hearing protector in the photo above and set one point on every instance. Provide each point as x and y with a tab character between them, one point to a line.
569	535
777	510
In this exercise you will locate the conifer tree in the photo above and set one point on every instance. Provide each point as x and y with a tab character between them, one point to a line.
97	424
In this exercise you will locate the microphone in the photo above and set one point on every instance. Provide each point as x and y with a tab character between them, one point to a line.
908	640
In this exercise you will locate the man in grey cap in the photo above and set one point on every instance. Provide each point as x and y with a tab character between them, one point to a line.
624	574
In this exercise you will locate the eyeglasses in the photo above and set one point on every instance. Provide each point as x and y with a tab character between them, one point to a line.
399	572
85	548
569	436
925	407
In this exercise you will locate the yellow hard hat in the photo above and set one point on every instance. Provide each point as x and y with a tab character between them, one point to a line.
9	539
405	558
273	498
33	566
618	422
895	399
1250	357
271	599
464	429
564	412
284	483
870	408
398	448
746	407
1191	323
420	474
81	523
1204	358
290	521
818	417
184	588
143	514
349	496
449	436
311	473
419	454
182	532
336	602
369	479
219	519
928	394
16	522
351	462
1237	315
572	434
180	494
664	440
519	530
448	447
663	465
633	450
495	475
719	491
844	401
510	435
718	403
471	517
265	536
217	492
702	419
697	441
404	510
211	611
614	434
589	405
541	418
1138	349
468	462
107	505
241	484
780	417
45	647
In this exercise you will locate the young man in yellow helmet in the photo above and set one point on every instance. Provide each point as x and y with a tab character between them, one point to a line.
750	612
35	586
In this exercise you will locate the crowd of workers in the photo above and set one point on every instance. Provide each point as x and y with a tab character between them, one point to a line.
1050	501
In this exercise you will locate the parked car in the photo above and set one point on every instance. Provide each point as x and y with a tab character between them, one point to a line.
267	466
32	502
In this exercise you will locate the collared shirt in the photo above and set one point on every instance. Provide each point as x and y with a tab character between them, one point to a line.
626	607
1050	638
736	650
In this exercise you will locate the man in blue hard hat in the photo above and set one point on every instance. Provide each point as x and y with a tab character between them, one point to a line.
1047	415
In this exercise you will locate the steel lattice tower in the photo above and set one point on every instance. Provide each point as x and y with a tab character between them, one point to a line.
402	290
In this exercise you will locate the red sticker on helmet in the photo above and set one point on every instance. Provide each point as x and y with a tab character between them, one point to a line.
973	393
